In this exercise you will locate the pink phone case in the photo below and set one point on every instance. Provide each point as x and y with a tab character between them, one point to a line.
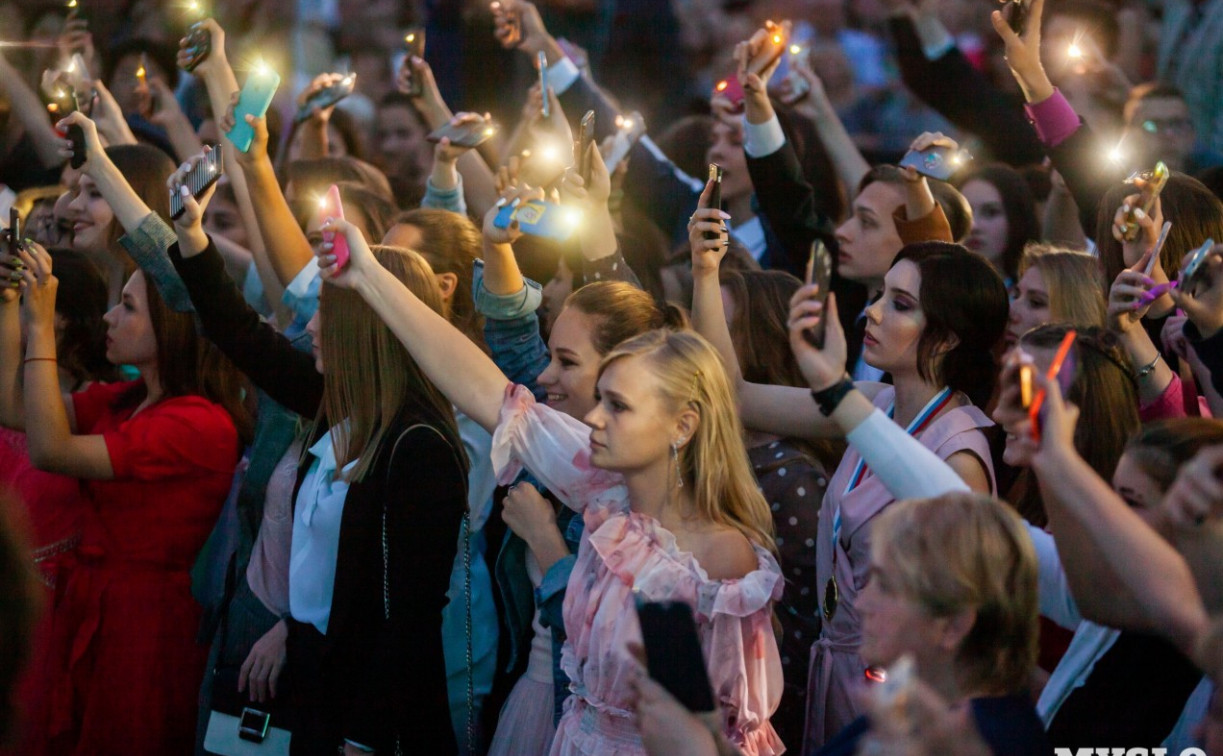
332	207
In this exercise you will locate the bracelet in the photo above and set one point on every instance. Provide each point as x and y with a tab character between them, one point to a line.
1148	368
28	360
830	398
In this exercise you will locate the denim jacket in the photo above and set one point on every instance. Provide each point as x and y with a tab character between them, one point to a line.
511	330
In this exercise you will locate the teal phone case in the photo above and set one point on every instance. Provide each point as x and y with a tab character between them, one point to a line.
255	99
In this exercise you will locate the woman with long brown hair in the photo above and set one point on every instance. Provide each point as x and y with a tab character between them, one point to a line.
380	493
156	457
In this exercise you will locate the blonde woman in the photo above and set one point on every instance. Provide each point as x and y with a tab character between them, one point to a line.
380	493
1056	286
659	472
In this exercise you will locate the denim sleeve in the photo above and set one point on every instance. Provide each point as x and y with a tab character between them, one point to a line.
148	244
445	199
511	330
550	595
504	306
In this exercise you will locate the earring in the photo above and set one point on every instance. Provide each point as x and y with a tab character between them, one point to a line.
675	458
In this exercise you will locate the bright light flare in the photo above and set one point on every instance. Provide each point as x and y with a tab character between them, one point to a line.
572	217
796	49
722	85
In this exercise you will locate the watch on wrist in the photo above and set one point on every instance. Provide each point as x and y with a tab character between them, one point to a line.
830	398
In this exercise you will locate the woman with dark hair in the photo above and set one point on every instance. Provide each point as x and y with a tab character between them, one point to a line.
53	503
1003	216
156	457
934	329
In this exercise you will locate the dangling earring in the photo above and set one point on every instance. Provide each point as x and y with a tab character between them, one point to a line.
675	458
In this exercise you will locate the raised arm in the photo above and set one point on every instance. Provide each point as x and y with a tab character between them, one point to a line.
1121	572
25	105
468	378
12	408
782	410
49	428
1129	301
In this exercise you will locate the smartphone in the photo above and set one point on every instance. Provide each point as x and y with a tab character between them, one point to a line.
796	86
1025	386
538	218
415	40
936	161
673	653
628	130
326	97
1193	264
67	104
1159	246
1153	183
254	725
774	46
205	173
546	110
330	206
819	271
1017	18
1062	369
14	232
199	45
715	196
467	134
255	99
586	137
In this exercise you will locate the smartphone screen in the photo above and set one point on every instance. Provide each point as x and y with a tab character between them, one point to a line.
255	99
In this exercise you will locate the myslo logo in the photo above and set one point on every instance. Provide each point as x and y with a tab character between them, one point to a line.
1125	752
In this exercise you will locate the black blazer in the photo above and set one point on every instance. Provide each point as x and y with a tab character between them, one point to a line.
377	679
787	202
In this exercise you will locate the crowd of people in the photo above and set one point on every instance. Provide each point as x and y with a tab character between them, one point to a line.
883	340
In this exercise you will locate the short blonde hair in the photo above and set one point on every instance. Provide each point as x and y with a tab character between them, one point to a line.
715	462
1078	293
966	551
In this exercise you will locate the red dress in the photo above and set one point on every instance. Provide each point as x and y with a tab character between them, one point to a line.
51	505
126	625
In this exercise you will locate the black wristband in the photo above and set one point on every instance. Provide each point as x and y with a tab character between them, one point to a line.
830	398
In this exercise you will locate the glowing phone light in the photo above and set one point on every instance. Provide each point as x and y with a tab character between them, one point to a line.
722	85
322	202
489	131
777	39
876	674
549	153
262	68
71	3
1074	51
795	49
410	38
572	217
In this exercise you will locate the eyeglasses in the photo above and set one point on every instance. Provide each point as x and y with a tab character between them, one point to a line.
1167	125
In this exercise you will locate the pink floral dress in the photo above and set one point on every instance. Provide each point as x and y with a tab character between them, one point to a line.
623	552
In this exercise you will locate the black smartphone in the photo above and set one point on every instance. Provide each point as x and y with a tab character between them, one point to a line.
673	652
14	232
1017	18
715	196
326	97
468	134
936	161
67	104
415	40
586	137
205	173
819	271
199	45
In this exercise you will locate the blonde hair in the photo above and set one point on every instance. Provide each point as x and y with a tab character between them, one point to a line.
369	377
714	462
1078	293
966	551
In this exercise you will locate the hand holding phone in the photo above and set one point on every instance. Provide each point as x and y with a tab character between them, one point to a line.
937	161
1016	13
1152	184
539	218
326	96
673	653
415	40
1061	369
715	195
629	129
471	132
586	136
330	206
777	38
1193	266
254	99
819	272
202	175
195	47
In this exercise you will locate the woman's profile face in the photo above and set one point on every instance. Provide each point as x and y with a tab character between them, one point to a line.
130	339
895	322
632	426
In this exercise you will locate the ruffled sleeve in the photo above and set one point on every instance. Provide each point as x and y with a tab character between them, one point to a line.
734	619
555	448
742	655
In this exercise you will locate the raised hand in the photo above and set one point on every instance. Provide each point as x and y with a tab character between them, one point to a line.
707	235
1023	53
821	367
